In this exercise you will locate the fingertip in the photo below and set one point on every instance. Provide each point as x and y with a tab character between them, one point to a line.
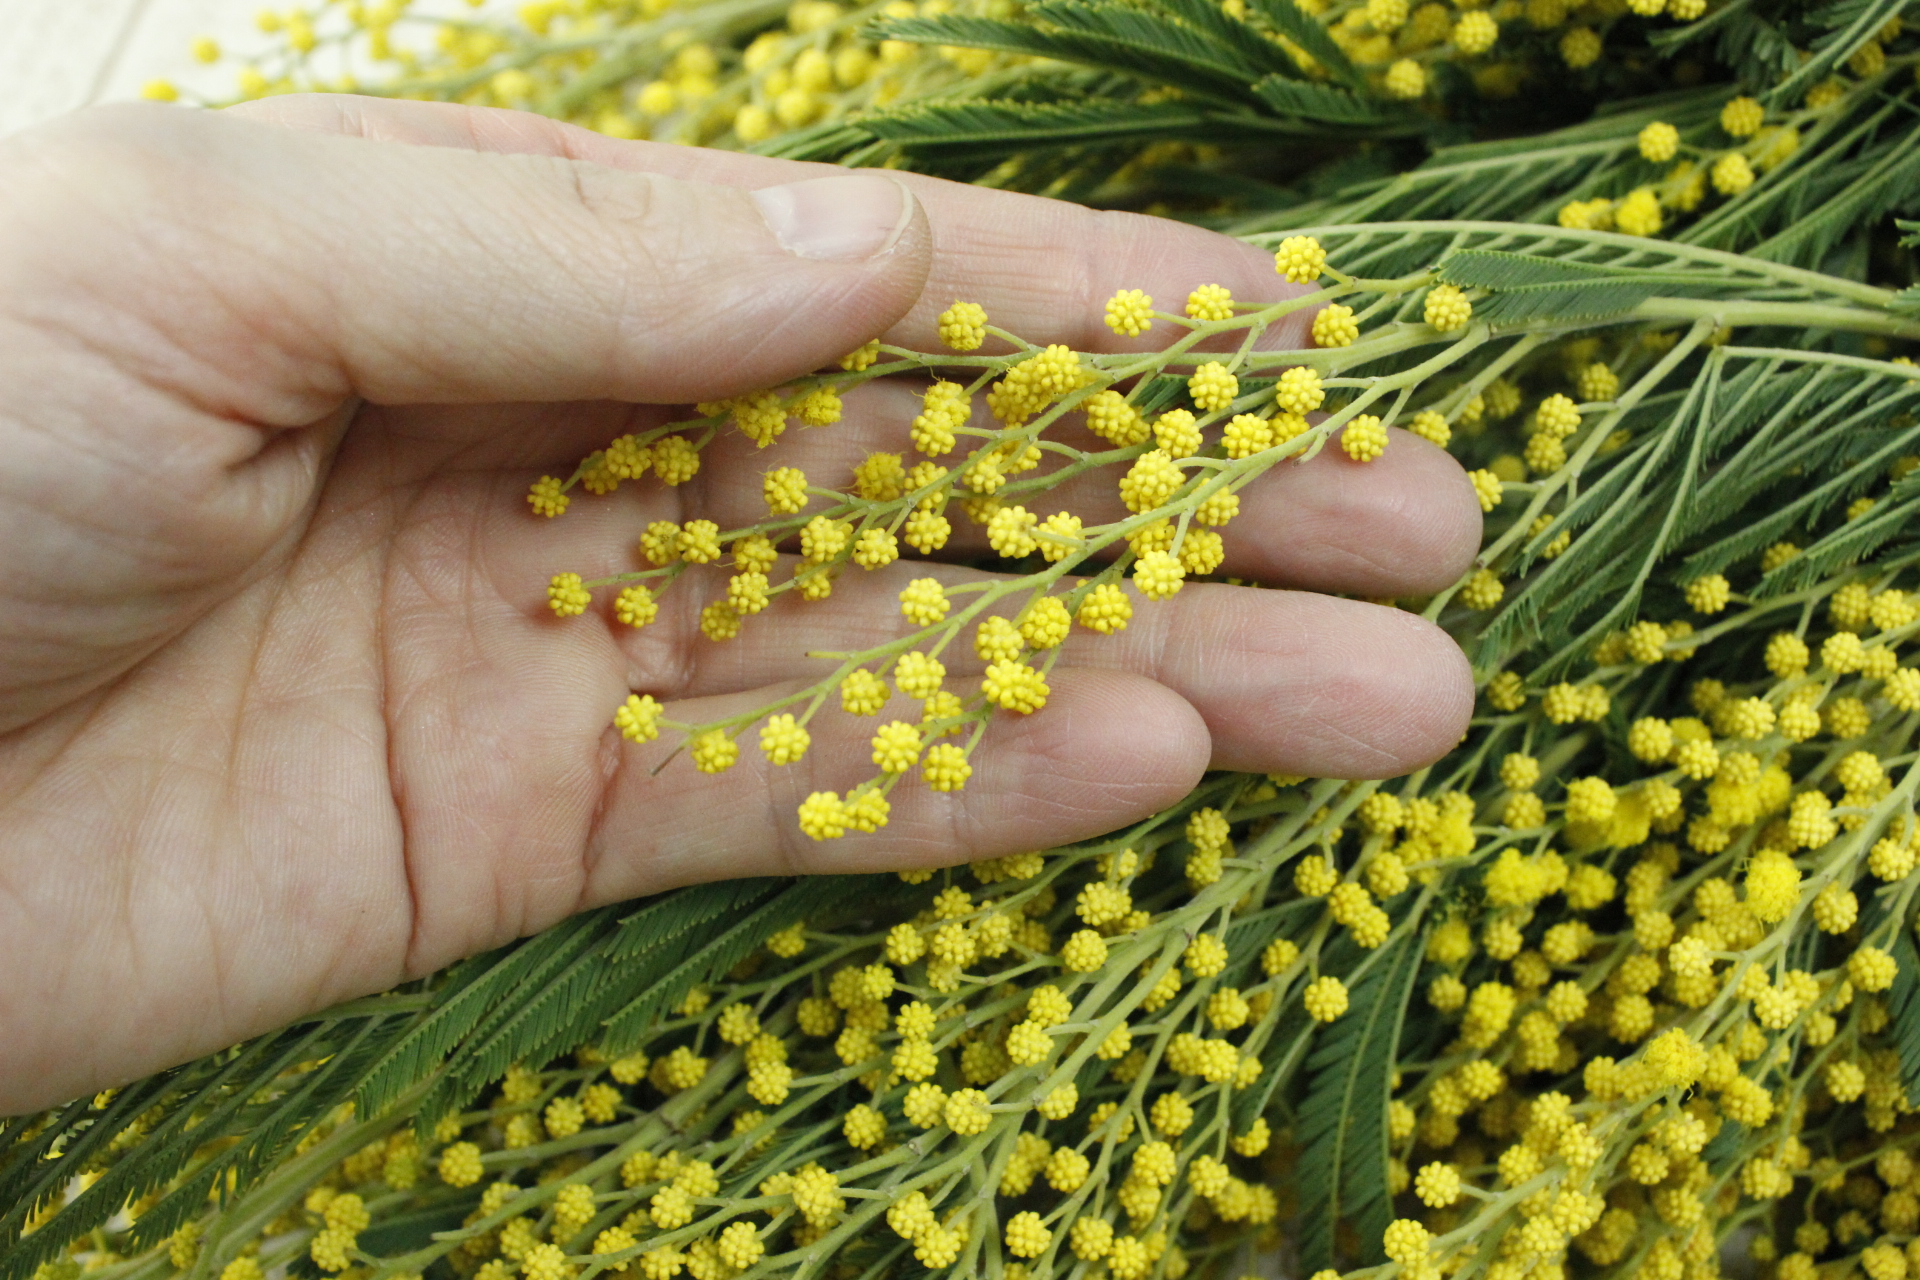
1438	531
1406	523
1294	682
1416	689
1110	747
1395	702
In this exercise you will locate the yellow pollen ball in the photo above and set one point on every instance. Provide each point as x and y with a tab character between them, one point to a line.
1300	259
1210	302
1659	142
1334	326
1364	438
963	326
1130	312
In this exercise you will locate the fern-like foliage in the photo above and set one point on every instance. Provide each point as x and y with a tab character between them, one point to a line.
417	1054
1342	1121
1743	458
1524	179
1903	1003
1852	168
1895	936
1715	451
1764	42
1196	74
1184	71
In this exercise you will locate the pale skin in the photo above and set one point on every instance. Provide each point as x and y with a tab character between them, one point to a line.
283	717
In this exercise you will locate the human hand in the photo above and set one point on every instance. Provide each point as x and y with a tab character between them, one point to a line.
283	716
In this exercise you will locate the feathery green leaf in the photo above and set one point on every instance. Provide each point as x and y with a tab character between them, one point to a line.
1342	1123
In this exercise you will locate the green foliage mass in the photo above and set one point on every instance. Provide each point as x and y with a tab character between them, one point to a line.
1757	343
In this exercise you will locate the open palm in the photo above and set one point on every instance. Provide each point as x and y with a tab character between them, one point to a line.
283	719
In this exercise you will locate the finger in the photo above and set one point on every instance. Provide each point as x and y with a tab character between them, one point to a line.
1285	681
314	266
1294	682
1042	268
1108	749
1406	523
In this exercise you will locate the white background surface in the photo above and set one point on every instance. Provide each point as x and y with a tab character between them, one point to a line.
57	55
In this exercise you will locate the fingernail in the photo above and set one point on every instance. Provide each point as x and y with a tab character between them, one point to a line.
840	219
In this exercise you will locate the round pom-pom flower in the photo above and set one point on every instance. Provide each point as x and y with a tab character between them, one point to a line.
1150	481
1557	415
1300	259
963	326
1325	998
823	816
1247	434
1159	575
1213	387
919	675
896	747
714	752
1177	433
1437	1185
1027	1235
638	718
1732	174
740	1245
1432	427
1364	438
1872	969
862	693
924	602
567	597
1130	312
1406	79
1742	117
1105	609
1710	594
945	767
1298	390
1487	488
635	606
785	490
1659	142
783	740
1447	309
460	1165
1334	326
1210	302
966	1112
1086	951
1406	1241
1047	623
1639	213
547	498
1580	47
1475	32
1015	686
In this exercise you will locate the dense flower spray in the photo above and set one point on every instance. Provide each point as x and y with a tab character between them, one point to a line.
1625	981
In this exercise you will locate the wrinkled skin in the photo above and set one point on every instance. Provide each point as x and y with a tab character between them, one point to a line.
283	717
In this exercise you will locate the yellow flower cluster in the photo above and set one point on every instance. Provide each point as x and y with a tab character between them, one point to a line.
661	69
1627	978
1179	472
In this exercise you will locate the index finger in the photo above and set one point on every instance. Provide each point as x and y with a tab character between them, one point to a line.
1042	268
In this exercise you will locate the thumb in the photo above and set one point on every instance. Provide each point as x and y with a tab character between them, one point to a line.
413	274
